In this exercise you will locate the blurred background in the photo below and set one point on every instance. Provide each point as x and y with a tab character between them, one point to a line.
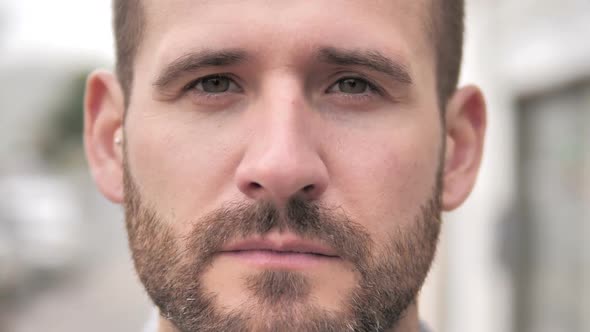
514	258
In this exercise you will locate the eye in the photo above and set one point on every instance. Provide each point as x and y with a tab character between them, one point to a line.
214	84
351	85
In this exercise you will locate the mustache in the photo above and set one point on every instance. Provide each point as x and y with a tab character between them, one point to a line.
309	220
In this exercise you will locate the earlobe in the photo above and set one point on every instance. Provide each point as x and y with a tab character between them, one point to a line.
103	125
465	131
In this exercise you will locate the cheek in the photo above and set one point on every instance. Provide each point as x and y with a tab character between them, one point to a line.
385	176
181	164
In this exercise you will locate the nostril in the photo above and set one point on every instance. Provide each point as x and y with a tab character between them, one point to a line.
255	185
309	188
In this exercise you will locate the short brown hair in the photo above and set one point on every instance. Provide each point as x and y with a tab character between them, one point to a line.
446	31
447	34
128	26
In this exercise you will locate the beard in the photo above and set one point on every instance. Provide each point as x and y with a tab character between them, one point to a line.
171	267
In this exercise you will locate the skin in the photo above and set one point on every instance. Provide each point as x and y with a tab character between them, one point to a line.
286	129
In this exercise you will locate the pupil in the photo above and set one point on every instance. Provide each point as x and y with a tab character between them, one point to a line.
353	86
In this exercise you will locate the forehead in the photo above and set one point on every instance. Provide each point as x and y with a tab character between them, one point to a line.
187	24
167	9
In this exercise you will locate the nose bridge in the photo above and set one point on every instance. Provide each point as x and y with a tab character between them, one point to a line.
282	158
287	135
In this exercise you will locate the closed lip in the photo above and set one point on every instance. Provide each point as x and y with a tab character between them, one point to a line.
280	243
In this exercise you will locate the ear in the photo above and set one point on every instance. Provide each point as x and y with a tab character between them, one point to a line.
104	108
465	131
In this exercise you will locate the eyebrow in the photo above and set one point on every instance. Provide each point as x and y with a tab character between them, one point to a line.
371	59
197	60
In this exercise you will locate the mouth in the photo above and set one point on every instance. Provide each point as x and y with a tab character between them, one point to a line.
279	251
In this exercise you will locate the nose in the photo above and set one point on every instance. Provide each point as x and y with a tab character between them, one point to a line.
282	158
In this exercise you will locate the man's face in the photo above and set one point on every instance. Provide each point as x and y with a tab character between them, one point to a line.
283	162
244	106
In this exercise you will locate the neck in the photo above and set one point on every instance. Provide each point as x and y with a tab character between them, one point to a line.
408	323
166	326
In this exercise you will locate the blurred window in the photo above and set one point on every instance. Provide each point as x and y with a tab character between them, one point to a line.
553	274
